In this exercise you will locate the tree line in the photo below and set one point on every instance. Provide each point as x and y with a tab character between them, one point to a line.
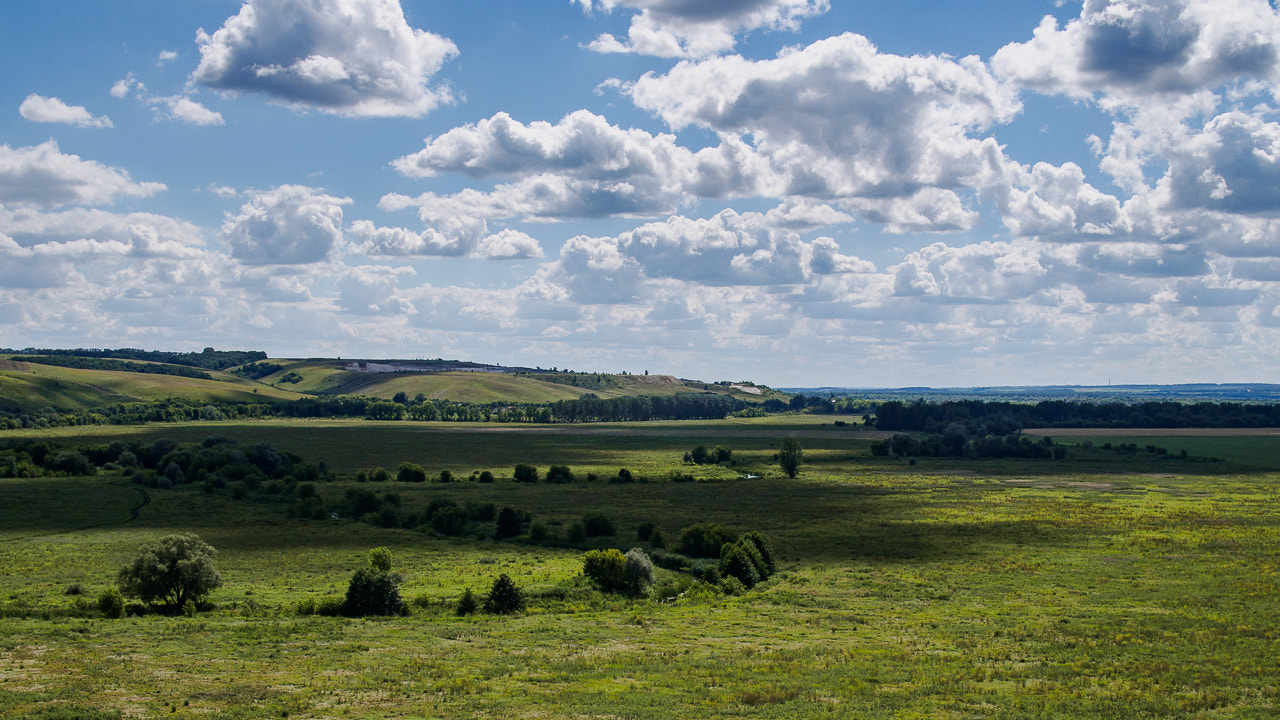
588	408
207	359
982	418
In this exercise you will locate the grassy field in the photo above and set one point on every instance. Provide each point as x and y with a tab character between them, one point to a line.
1106	585
1253	448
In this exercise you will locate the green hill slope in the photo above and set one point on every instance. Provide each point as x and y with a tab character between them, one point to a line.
322	377
24	386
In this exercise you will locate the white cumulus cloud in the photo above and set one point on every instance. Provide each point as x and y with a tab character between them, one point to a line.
38	108
44	176
1135	48
348	57
693	28
290	225
838	120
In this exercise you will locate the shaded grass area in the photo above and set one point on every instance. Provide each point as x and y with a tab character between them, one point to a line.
905	591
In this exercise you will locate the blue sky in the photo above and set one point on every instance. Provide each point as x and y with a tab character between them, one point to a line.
796	192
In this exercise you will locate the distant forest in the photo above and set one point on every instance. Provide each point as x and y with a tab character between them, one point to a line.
1003	417
207	359
589	408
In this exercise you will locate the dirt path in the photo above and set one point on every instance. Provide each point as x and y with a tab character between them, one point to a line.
133	512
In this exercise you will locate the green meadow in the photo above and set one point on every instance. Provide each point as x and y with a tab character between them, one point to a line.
1105	585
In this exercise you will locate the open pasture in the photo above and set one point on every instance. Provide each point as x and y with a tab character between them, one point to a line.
941	590
1251	448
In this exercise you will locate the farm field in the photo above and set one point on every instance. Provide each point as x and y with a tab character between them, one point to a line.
1103	585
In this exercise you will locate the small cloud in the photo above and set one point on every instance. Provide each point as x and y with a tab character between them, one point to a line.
126	85
166	56
222	191
38	108
189	111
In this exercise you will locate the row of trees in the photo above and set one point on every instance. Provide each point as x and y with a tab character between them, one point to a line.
1002	418
955	442
586	409
207	359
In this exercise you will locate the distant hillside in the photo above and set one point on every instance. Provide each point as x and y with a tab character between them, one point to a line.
473	383
25	386
98	378
1225	392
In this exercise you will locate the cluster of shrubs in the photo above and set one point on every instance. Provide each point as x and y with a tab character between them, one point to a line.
748	559
216	462
702	456
629	574
957	442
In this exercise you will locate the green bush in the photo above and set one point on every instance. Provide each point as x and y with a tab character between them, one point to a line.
704	540
111	603
374	590
637	572
736	563
380	559
508	523
449	521
605	568
597	525
765	549
467	604
559	474
504	597
411	473
525	473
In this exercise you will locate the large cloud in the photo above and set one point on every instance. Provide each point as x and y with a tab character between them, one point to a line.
144	234
840	120
1233	166
38	108
581	166
1135	48
290	225
43	176
696	28
349	57
729	249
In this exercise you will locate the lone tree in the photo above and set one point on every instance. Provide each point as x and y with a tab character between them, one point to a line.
374	590
172	571
790	456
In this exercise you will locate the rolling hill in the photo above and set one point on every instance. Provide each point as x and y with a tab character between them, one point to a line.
25	386
28	385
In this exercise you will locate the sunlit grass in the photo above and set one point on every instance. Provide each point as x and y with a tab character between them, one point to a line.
941	590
